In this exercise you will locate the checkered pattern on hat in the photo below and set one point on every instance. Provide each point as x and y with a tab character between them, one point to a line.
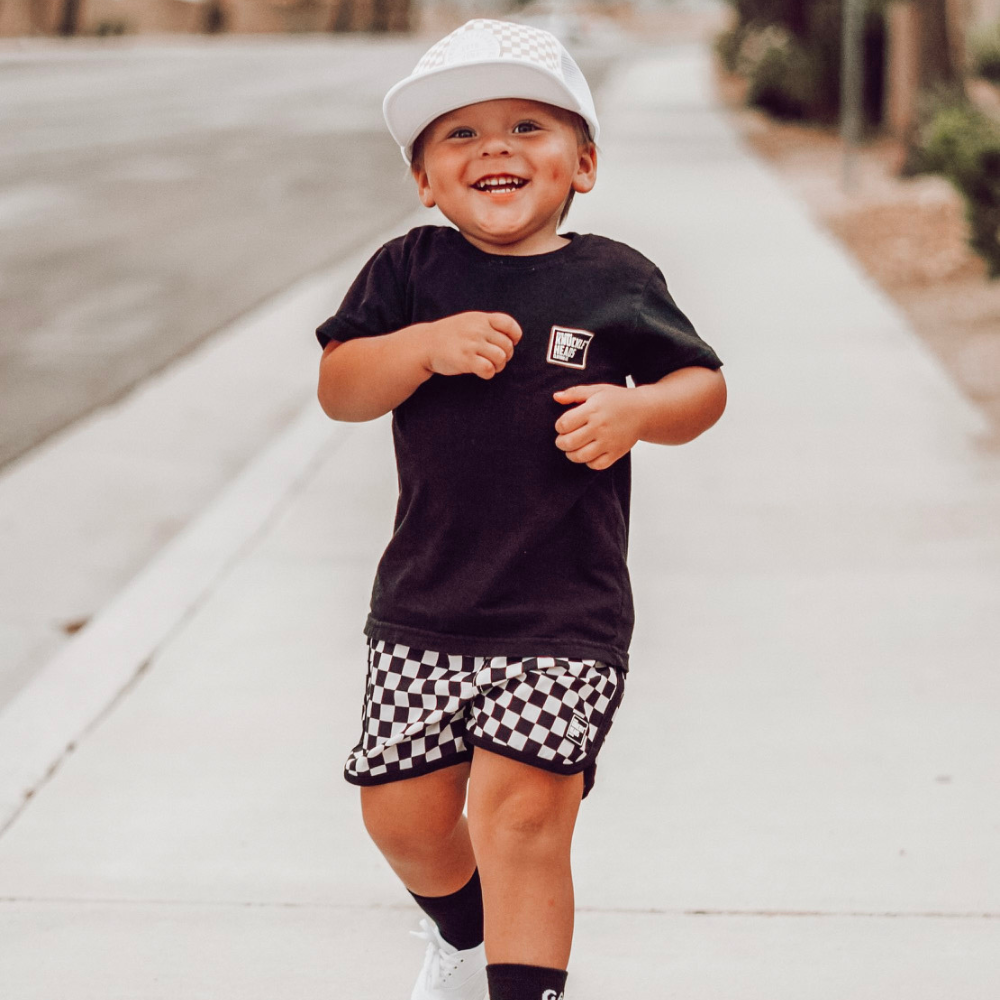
420	704
516	41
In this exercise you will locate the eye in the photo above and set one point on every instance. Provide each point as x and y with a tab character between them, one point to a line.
522	127
462	132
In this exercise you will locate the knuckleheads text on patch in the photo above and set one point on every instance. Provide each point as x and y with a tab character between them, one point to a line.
568	347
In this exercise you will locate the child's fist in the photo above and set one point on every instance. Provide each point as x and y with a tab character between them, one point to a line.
601	429
471	343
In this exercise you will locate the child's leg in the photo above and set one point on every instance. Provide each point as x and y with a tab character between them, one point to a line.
417	824
537	727
521	820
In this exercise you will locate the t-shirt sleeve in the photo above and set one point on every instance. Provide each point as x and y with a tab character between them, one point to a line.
662	338
374	304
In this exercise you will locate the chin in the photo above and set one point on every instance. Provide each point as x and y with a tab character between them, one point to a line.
502	236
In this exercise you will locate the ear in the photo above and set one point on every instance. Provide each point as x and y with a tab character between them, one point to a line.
586	169
423	187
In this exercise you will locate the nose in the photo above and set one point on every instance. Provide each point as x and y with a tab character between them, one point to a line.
495	144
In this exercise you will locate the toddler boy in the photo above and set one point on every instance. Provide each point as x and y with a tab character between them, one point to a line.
501	612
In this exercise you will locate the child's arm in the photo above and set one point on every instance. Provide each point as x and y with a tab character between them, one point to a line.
362	379
610	419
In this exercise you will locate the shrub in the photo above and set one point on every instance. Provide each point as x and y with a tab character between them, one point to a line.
985	51
782	74
962	143
800	78
727	46
109	26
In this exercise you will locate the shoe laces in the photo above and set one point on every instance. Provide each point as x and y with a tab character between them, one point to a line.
439	965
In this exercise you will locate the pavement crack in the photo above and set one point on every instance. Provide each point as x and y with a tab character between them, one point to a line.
71	745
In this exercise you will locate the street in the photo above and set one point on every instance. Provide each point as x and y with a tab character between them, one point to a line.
151	193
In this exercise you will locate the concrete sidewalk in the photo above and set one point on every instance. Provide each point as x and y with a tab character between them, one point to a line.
799	797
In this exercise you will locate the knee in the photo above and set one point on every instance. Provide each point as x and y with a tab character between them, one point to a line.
523	818
406	832
524	822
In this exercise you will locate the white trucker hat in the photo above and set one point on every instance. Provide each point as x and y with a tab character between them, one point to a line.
486	60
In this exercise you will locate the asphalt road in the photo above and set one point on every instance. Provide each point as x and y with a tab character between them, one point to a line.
153	191
150	193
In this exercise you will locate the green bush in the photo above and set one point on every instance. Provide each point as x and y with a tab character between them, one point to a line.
790	14
962	143
727	46
801	77
782	74
985	51
109	26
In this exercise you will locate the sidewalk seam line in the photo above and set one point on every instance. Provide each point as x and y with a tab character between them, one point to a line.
621	910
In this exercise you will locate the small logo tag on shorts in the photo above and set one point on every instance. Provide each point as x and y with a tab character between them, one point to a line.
576	731
568	347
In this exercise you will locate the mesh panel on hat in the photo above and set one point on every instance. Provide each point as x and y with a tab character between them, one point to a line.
516	41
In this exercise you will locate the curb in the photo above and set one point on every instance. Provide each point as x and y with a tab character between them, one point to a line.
47	719
81	683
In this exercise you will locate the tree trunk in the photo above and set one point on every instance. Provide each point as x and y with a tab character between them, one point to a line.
939	69
342	16
797	15
69	21
939	64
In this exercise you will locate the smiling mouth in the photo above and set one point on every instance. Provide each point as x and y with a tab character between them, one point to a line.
500	184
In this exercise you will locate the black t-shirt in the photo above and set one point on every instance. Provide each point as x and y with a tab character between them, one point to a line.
502	546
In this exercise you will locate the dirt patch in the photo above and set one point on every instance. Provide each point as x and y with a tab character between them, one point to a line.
909	234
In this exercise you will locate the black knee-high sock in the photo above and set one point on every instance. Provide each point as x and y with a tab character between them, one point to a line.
459	916
525	982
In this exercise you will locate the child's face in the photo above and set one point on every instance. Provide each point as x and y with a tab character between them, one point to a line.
502	170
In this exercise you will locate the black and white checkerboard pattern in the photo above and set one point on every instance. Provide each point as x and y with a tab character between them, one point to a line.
419	705
513	41
544	706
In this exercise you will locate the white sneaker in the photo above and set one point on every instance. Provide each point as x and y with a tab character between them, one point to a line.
449	974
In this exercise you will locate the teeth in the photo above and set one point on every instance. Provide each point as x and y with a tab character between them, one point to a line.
502	183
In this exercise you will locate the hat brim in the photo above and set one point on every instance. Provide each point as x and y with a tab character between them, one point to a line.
412	104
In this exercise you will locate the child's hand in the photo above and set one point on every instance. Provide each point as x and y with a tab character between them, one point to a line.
474	343
601	429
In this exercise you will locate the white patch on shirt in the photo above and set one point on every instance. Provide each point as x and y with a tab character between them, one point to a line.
568	347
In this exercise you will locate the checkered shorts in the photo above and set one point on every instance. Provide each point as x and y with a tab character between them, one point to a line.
425	710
